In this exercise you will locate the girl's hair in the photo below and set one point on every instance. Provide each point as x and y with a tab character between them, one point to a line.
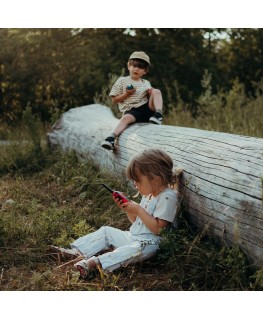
151	163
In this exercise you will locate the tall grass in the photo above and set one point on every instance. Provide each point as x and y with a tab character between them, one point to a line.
26	148
231	112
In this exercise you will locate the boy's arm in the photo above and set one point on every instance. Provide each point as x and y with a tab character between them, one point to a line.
122	97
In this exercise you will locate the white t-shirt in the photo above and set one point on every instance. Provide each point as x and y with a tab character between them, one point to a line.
163	206
138	98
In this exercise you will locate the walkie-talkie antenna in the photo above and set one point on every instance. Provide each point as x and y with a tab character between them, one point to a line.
108	188
116	194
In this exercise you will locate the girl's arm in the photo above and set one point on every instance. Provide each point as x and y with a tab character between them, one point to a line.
131	215
133	209
153	223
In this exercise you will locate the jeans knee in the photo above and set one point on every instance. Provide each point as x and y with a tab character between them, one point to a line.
104	229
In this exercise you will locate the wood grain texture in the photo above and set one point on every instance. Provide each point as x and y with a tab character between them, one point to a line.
222	172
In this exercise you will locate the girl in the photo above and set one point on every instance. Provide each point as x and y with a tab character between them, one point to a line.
152	174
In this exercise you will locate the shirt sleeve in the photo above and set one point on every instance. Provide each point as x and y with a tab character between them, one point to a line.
167	207
148	84
117	87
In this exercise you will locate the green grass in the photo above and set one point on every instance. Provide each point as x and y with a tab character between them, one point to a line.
64	200
51	198
230	112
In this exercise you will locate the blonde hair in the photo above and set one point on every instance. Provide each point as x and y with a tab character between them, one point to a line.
151	163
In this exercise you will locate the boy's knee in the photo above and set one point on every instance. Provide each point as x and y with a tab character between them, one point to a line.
156	92
127	118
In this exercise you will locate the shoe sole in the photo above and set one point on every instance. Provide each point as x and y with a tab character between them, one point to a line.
155	121
107	146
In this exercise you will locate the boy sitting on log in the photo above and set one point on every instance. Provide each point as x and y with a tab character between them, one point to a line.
136	99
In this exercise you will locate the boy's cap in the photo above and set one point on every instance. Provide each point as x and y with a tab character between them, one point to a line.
140	55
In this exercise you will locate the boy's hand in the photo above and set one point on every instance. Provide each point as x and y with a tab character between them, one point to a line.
130	92
149	92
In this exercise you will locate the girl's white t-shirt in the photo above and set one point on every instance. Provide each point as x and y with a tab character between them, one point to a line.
163	206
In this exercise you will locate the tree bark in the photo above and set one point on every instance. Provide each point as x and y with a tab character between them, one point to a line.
222	173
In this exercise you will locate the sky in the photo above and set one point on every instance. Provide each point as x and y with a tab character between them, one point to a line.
134	14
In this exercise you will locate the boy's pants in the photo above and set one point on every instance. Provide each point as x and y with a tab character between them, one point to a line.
128	248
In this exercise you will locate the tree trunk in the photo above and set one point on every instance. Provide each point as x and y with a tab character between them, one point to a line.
222	173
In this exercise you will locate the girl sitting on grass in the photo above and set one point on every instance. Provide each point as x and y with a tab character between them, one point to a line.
153	176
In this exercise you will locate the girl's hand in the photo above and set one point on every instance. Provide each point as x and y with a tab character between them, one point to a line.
119	202
129	207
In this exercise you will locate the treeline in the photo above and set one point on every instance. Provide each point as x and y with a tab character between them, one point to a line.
49	69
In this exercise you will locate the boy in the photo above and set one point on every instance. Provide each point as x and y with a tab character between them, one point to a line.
135	97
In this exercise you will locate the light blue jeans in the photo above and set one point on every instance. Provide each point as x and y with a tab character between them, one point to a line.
127	248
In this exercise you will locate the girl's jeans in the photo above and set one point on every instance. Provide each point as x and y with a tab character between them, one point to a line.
127	248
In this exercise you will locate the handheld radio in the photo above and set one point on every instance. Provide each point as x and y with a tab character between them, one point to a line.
116	194
129	87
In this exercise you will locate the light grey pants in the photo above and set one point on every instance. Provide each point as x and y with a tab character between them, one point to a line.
128	248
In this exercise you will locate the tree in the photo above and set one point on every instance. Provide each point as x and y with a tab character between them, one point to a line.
64	68
242	57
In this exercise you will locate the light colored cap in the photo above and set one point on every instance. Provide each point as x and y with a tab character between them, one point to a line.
140	55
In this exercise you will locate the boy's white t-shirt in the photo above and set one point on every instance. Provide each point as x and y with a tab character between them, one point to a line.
138	98
163	206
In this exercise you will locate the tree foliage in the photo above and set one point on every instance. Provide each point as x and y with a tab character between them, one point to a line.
64	68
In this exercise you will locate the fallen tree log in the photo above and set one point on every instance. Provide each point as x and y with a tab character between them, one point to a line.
223	173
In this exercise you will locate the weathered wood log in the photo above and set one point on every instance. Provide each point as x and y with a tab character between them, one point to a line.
223	173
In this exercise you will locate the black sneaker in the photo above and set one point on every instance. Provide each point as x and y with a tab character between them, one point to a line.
108	143
157	118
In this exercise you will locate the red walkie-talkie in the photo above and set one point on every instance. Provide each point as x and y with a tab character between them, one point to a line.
116	194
